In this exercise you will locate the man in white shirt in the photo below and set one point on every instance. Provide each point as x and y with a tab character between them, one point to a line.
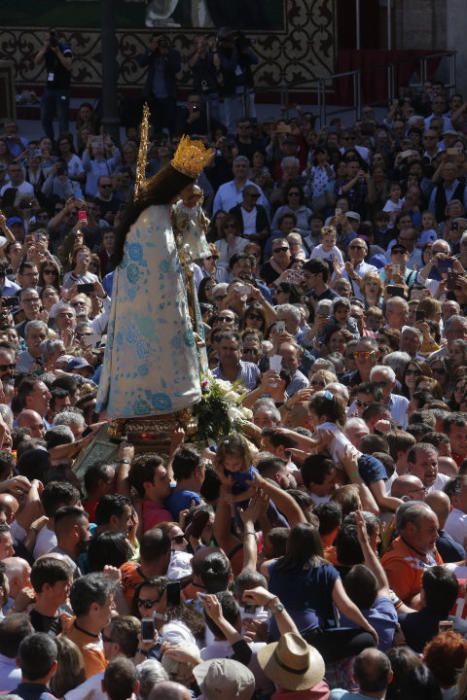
456	523
356	267
385	379
423	462
231	193
17	181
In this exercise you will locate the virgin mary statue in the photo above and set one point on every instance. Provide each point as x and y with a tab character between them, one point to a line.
151	364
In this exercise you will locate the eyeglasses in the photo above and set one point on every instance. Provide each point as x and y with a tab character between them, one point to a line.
5	367
280	250
147	603
317	382
250	351
105	186
414	372
30	300
226	319
357	247
363	354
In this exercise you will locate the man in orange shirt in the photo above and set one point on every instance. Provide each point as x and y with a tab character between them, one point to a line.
413	552
91	598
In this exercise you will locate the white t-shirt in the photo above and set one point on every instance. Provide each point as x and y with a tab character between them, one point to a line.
46	540
91	689
456	525
340	442
332	255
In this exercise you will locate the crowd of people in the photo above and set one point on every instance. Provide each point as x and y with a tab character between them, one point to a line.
317	549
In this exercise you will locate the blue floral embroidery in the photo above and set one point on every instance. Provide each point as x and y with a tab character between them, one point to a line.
135	251
132	273
161	402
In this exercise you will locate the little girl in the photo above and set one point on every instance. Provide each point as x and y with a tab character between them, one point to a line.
340	318
327	249
234	464
428	233
327	414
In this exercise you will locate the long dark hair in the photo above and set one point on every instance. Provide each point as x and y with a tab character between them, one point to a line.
304	549
160	189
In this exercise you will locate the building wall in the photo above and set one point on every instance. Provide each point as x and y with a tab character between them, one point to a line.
303	49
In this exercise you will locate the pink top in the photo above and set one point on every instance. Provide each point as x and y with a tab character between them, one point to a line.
153	514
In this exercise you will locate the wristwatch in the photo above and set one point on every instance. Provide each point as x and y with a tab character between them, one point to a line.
275	606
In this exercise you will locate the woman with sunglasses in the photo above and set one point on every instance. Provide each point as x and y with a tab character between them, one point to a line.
231	241
49	274
287	293
295	204
440	372
254	317
412	373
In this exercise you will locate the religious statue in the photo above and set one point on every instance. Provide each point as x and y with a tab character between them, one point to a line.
151	363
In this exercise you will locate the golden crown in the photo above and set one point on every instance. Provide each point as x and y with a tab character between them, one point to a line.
191	157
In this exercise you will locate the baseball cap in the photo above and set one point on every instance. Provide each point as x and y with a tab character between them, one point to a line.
222	679
353	215
14	220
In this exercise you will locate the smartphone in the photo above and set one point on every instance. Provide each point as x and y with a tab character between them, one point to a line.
394	291
445	626
396	269
173	593
452	279
452	152
250	611
280	326
275	363
419	315
86	288
445	265
147	629
83	215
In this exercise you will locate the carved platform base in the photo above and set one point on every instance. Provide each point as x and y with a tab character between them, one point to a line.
153	433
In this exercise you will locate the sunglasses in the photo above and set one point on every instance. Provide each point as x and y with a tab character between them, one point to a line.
5	367
178	539
280	250
414	372
316	382
147	603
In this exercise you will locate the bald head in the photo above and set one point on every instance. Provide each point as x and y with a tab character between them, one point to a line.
372	671
447	465
32	421
167	690
8	505
409	487
440	504
17	571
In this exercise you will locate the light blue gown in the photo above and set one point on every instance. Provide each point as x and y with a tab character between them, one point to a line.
151	364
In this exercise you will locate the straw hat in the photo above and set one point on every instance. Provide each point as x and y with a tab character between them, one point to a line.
291	663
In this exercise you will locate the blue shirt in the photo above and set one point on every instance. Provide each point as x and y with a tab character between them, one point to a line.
383	617
180	500
33	691
248	375
306	594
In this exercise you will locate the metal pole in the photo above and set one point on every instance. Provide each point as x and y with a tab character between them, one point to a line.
357	24
389	27
110	118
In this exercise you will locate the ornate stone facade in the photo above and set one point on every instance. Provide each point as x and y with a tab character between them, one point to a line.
301	51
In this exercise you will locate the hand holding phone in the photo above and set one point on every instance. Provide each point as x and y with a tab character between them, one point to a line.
147	630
